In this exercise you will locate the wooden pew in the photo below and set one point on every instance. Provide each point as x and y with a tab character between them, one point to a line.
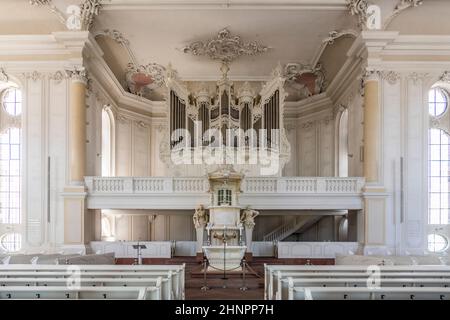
122	293
388	293
175	272
283	292
280	276
271	273
173	279
165	283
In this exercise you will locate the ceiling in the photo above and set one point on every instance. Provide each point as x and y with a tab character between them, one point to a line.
157	34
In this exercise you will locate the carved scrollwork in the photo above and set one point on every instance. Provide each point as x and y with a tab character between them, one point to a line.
306	79
144	77
390	76
58	76
78	74
3	76
307	125
116	35
33	75
224	47
359	8
445	77
408	3
141	124
401	6
89	9
334	35
52	8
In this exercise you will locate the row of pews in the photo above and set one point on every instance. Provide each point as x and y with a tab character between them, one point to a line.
142	282
290	282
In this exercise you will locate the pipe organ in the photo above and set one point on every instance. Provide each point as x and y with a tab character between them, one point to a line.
225	123
223	112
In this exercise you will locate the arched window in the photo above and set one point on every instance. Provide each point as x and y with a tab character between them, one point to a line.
343	144
437	243
11	242
106	144
437	102
438	176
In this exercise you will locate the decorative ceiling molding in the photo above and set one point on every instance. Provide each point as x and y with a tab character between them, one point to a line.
445	77
58	76
35	75
401	6
359	8
52	8
80	17
116	35
144	77
334	35
408	3
390	76
78	74
89	10
225	5
225	48
306	79
3	76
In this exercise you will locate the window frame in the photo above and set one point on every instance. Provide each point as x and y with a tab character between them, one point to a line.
447	102
434	193
3	94
17	247
435	234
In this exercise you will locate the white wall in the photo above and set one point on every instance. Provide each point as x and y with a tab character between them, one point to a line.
44	139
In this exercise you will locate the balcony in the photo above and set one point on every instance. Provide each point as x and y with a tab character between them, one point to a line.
274	193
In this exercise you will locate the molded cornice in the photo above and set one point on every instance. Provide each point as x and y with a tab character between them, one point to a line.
225	4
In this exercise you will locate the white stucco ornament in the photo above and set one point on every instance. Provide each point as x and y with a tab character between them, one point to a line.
73	21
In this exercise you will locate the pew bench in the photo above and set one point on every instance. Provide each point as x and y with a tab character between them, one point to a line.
176	273
165	283
283	292
273	272
414	293
96	293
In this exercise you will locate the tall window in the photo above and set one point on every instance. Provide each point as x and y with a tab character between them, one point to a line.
343	144
438	176
106	143
10	162
10	175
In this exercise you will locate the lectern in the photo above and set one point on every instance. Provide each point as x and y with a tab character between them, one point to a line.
138	247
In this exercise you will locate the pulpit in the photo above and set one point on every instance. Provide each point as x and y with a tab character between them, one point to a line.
225	246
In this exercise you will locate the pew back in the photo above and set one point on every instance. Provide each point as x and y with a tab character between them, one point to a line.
122	293
318	293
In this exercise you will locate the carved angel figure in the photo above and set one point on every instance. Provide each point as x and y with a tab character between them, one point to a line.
200	217
248	217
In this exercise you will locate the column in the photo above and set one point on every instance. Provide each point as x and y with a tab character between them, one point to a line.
374	227
372	119
79	226
77	126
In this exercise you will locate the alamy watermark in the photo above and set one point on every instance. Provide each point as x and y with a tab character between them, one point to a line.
227	146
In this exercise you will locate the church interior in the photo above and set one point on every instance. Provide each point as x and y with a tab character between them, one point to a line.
225	149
